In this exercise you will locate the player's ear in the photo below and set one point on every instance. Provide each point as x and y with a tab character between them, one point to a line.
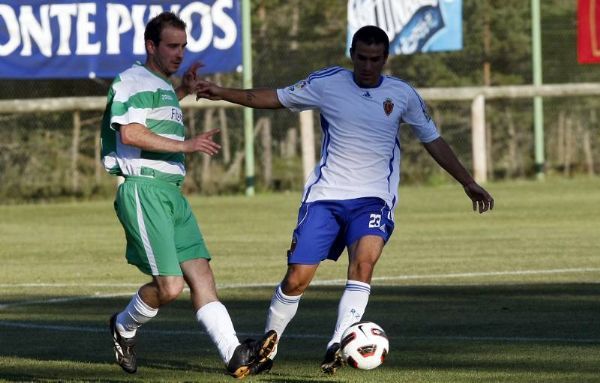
150	47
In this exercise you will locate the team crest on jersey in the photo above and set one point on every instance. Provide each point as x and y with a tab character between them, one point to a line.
388	106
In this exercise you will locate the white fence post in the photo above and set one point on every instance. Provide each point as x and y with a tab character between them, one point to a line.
478	138
475	94
75	151
307	137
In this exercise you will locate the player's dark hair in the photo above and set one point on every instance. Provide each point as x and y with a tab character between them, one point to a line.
370	34
156	25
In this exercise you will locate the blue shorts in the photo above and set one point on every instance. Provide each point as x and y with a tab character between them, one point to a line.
325	228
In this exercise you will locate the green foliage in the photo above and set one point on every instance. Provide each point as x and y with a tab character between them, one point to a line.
36	163
287	48
289	174
293	38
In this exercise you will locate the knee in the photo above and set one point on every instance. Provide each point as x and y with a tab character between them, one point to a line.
297	279
361	271
170	291
293	285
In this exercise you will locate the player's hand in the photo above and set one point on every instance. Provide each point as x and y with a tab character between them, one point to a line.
207	89
190	78
203	143
482	200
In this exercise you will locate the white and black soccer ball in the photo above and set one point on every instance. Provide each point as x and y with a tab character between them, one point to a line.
364	345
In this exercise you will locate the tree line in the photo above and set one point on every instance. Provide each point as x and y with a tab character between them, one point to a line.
292	38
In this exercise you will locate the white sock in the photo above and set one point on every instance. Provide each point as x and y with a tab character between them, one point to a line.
135	314
282	310
351	308
217	323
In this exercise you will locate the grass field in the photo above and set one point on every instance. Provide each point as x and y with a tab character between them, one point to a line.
511	296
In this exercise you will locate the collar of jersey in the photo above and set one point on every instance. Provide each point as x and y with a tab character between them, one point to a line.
368	87
154	73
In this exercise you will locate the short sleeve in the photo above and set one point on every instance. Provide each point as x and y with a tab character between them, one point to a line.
129	105
303	95
417	117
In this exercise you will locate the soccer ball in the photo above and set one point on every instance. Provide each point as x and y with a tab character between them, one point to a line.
364	345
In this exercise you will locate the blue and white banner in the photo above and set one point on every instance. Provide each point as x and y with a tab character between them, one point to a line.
412	25
81	39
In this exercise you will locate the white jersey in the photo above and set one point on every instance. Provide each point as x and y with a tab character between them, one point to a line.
360	153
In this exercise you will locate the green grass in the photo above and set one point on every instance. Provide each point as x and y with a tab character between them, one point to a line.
511	296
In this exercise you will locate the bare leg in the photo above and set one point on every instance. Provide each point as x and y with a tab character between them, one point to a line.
210	313
199	277
364	254
298	278
161	291
286	298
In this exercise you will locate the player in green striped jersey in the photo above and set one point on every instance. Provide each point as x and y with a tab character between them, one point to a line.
143	141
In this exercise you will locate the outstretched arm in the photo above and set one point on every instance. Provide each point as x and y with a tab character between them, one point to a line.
253	98
189	80
141	137
445	157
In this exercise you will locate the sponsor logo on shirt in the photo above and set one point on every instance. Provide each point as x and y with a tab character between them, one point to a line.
166	97
299	85
388	106
176	115
367	95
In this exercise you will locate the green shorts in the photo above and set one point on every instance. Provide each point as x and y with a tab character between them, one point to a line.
159	224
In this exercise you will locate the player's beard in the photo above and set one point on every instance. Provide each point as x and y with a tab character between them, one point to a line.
174	67
165	67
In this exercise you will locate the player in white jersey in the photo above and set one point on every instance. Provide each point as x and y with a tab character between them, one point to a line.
143	140
349	198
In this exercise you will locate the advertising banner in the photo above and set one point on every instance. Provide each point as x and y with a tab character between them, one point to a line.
588	31
87	39
412	25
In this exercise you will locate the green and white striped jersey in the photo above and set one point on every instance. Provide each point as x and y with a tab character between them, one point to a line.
141	96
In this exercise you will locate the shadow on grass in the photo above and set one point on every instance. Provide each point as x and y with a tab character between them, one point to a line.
550	328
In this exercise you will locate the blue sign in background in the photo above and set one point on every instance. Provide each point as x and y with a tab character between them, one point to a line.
412	26
79	39
448	38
